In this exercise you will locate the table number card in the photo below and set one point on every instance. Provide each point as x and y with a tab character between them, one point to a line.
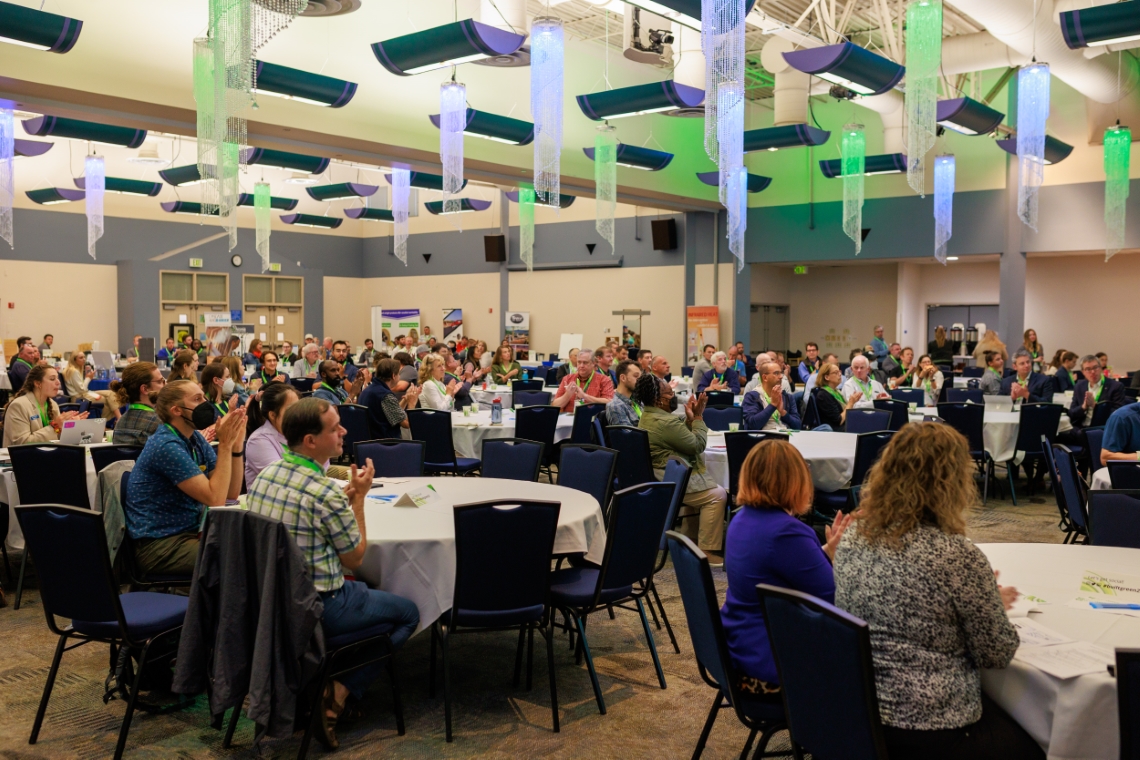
418	497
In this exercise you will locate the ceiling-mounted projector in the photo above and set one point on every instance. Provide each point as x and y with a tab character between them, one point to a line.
647	37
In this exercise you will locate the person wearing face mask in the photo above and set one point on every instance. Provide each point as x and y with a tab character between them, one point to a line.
218	386
266	444
32	416
332	387
178	475
138	391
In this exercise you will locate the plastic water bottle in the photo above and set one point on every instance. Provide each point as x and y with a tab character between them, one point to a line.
496	411
526	375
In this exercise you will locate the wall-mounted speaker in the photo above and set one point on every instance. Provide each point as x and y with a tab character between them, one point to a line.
664	234
495	247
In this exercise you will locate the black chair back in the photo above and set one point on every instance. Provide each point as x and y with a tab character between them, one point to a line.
1094	437
1124	475
867	450
583	422
354	420
973	395
823	656
633	534
302	384
677	473
738	444
1101	413
909	395
502	558
68	406
867	420
900	413
599	431
1055	482
973	371
1071	487
634	464
51	473
101	456
532	398
511	459
720	398
392	457
1128	700
967	419
525	385
719	418
1037	420
538	424
433	427
589	469
73	564
811	412
1114	518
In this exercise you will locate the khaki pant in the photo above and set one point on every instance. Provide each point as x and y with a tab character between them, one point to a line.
172	555
708	527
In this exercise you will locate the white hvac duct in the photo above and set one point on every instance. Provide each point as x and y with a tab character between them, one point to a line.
889	106
977	52
790	105
508	15
1012	22
688	57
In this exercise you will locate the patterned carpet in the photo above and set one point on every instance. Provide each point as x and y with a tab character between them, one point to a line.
491	718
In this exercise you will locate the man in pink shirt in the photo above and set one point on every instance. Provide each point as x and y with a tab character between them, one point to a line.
584	386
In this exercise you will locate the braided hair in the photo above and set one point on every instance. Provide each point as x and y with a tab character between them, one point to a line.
648	390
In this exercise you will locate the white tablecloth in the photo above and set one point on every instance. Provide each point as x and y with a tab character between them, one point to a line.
411	551
10	496
1075	719
999	430
484	397
831	457
468	432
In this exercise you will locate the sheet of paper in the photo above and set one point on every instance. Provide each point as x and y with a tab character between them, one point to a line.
387	482
1064	661
1023	606
1033	634
418	497
1111	585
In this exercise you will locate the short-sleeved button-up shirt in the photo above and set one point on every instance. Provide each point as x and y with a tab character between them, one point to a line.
156	507
314	510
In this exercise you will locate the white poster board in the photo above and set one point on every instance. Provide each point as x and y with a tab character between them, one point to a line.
566	342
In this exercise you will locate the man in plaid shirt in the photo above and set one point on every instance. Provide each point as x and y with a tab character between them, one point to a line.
327	523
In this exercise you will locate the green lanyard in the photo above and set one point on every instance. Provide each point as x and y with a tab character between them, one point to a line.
768	401
222	407
996	373
141	408
189	448
266	380
439	385
308	367
584	388
1100	388
719	378
329	388
136	350
301	461
45	415
25	363
636	408
867	389
836	395
1023	383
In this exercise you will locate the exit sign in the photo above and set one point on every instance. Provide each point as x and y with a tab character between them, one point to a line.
195	263
275	267
800	270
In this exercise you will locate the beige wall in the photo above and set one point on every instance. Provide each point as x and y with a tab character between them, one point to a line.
346	316
80	305
703	295
582	301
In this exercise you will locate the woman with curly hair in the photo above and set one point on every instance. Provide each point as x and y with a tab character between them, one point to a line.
936	613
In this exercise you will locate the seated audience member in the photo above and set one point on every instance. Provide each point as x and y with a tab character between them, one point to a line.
762	358
1054	363
368	355
830	404
133	354
904	369
720	377
408	374
326	348
785	371
769	407
660	367
1094	388
879	348
603	363
645	360
348	370
929	378
704	364
178	475
333	388
461	376
892	364
1026	385
1064	376
287	356
386	408
686	439
166	354
253	355
586	386
767	542
216	381
436	395
940	349
76	379
266	414
482	358
810	362
1036	351
187	342
990	381
749	363
624	408
568	368
19	348
197	347
736	361
813	378
1102	357
310	362
237	373
184	367
505	369
32	415
46	345
862	383
138	391
621	353
268	372
936	613
991	341
850	358
329	527
27	358
1121	439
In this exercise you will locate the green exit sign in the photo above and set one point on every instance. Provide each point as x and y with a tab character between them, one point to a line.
195	263
800	270
274	267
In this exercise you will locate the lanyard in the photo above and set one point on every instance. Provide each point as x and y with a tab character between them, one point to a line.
25	363
309	367
330	389
222	410
867	392
1100	387
136	350
719	378
578	380
439	385
836	395
45	415
768	401
996	374
636	408
140	407
190	449
265	380
301	461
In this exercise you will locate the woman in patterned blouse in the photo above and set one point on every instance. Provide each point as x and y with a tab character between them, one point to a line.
936	612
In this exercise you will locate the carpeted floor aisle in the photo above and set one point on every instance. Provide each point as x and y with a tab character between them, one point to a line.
491	718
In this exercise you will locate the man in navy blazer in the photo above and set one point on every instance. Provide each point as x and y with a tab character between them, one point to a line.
768	407
1092	389
1025	385
721	377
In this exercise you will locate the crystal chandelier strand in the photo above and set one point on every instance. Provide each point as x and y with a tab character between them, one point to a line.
1032	113
546	68
605	182
261	217
1117	146
94	184
526	226
944	170
452	122
733	174
923	61
7	177
401	189
722	41
853	148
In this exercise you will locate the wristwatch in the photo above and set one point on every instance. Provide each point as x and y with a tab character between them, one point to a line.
236	454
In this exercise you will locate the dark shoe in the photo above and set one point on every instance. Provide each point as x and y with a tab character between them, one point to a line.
327	734
716	559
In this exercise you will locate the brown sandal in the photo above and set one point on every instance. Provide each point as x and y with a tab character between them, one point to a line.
327	735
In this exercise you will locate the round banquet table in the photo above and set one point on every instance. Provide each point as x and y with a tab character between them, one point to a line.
11	496
468	432
999	430
484	397
411	550
830	456
1077	717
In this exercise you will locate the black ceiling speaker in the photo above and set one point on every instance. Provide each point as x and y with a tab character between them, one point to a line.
590	247
495	247
427	258
664	234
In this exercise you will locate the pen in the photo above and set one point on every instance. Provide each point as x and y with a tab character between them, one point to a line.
1113	606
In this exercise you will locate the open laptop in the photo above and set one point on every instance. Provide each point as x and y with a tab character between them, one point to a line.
998	403
81	432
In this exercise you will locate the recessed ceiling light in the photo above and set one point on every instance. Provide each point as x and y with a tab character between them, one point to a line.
148	155
298	178
951	258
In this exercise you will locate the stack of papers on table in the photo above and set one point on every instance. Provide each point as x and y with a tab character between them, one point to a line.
1057	654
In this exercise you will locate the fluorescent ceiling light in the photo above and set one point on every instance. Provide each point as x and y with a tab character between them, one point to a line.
36	29
448	45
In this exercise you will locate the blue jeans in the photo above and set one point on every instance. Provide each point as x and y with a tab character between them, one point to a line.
823	429
354	606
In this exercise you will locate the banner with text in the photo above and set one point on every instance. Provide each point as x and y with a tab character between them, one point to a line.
452	324
702	326
387	324
517	332
220	340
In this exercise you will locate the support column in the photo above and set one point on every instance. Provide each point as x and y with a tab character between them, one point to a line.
504	275
1011	288
742	306
694	220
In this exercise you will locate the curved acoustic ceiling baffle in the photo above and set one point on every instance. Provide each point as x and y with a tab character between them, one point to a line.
447	45
125	186
790	136
889	163
181	176
55	126
311	220
564	200
634	157
186	207
466	204
281	204
1113	24
29	27
424	181
756	183
370	214
968	116
850	66
1056	151
655	97
492	126
341	191
303	86
30	148
49	196
283	160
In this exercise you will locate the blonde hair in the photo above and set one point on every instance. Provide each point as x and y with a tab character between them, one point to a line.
233	364
427	367
824	370
171	396
925	476
774	474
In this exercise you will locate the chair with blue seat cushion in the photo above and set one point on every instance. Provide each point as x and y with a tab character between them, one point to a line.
1094	437
1124	475
678	473
737	445
68	406
714	663
541	371
511	459
686	371
539	424
962	395
634	465
78	584
1035	420
1101	413
1114	518
900	413
715	399
909	395
811	412
720	418
354	420
1072	490
525	385
392	457
582	429
502	582
101	456
969	420
1058	492
973	371
868	447
302	384
532	398
589	469
867	420
433	427
633	536
599	431
823	657
1128	702
95	411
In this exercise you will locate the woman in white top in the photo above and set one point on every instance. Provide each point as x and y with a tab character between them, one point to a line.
435	395
929	378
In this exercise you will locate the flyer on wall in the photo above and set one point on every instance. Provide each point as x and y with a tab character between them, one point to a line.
702	327
517	333
452	324
220	340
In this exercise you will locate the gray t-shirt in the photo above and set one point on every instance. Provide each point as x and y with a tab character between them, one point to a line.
410	374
